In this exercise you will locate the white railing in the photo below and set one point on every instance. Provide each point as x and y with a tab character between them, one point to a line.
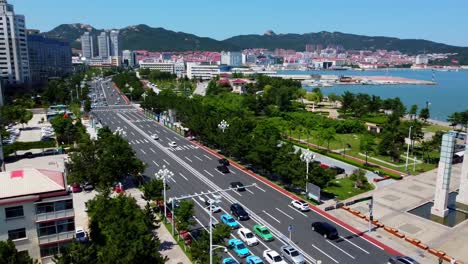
55	215
56	237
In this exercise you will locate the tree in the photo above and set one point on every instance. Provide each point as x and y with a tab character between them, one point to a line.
87	105
200	249
459	118
77	253
424	114
10	255
332	97
360	179
64	128
221	232
184	214
347	100
367	144
326	135
153	190
413	111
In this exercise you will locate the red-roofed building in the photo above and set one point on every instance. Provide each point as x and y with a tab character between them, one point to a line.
36	212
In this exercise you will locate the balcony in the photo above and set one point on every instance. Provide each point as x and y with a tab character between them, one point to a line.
56	237
55	215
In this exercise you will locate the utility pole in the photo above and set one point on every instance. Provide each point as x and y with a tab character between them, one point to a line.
407	150
371	217
307	156
165	174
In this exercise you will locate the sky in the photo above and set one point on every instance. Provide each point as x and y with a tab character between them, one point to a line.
444	21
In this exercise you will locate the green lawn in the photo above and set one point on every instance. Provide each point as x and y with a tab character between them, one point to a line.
344	189
434	128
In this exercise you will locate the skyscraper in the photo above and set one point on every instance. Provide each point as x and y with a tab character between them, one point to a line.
87	45
129	58
115	47
14	61
104	45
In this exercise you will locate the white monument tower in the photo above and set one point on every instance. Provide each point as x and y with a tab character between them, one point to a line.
439	209
462	197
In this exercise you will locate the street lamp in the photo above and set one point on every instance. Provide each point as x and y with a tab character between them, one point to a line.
144	95
164	174
131	90
223	125
407	149
307	156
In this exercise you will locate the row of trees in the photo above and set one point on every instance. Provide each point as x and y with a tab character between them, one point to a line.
68	130
361	104
126	79
459	119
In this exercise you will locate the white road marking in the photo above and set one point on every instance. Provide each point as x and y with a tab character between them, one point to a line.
176	138
137	142
132	133
354	245
183	176
340	249
164	130
297	211
279	222
197	158
188	159
209	173
233	172
166	162
219	172
260	188
207	157
186	147
112	122
325	253
146	140
168	138
155	163
152	150
290	217
173	180
143	151
247	189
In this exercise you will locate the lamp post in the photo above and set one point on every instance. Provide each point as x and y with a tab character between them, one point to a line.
217	201
164	174
223	125
144	95
131	90
307	157
407	149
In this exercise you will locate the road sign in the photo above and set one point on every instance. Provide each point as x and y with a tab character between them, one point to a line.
290	228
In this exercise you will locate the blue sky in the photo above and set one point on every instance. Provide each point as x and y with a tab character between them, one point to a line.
443	21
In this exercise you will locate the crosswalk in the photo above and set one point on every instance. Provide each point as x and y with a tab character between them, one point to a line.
178	148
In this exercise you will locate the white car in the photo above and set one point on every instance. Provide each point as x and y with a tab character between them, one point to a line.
300	205
272	257
247	236
155	137
214	208
80	235
173	144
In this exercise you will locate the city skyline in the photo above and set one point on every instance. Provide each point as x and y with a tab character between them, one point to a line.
204	19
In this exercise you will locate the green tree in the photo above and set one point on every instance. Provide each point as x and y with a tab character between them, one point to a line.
360	180
332	97
184	215
413	111
424	114
347	100
367	144
153	190
221	232
459	118
10	255
87	105
200	249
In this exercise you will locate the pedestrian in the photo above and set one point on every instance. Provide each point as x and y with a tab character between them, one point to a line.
452	261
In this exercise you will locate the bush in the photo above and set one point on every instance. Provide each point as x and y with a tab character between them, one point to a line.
9	149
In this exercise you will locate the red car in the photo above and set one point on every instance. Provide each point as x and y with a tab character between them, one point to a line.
75	188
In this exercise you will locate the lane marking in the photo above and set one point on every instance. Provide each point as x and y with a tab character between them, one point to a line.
168	139
247	189
183	176
152	150
155	163
137	142
233	172
325	253
207	157
131	132
198	158
188	159
186	147
340	249
146	140
279	222
166	162
297	211
143	151
354	244
209	173
219	172
173	180
290	217
260	188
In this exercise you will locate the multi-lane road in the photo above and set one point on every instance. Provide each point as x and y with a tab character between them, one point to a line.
194	169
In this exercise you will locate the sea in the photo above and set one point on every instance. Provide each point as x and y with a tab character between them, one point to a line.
449	95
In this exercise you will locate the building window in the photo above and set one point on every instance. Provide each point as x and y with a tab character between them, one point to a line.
53	249
51	228
53	206
17	233
13	212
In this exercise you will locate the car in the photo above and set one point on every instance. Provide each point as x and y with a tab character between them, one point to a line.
292	255
263	232
239	212
80	235
224	162
28	155
247	236
155	137
338	170
238	186
49	152
172	144
325	229
230	221
223	168
87	186
238	247
402	260
230	261
213	208
295	189
300	205
254	260
75	188
272	257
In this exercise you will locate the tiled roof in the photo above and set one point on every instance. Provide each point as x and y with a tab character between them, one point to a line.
30	181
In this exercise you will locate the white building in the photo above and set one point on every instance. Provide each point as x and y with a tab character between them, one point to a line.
129	58
36	212
104	45
177	68
201	71
14	61
421	59
87	46
231	58
115	45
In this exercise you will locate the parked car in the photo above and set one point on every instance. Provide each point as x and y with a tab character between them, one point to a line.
272	257
28	155
325	229
49	152
230	221
402	260
238	186
81	235
155	137
300	205
254	260
173	144
224	162
75	187
223	168
338	170
292	255
230	261
87	186
238	247
214	208
263	232
294	189
247	236
239	212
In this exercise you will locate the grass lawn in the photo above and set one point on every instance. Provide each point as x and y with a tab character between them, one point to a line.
434	128
344	189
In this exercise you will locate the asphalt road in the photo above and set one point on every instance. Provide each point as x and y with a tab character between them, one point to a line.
195	171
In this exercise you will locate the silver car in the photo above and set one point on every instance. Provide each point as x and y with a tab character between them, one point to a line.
292	255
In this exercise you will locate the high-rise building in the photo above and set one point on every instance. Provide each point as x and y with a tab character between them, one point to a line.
14	61
115	46
231	58
104	45
129	58
48	57
87	45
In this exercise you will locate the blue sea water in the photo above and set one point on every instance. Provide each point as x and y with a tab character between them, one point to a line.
449	95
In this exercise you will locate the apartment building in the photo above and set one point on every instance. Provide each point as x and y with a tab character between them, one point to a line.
36	212
202	71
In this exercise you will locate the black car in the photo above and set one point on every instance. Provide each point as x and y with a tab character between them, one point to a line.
224	162
325	229
238	212
28	155
223	168
238	186
337	170
402	260
87	186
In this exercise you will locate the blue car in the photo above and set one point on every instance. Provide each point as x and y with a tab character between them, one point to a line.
230	221
230	261
254	260
239	248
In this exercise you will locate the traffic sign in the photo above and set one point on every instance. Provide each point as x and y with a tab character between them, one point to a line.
290	228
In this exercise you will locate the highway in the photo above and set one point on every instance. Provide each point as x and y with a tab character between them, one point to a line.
195	171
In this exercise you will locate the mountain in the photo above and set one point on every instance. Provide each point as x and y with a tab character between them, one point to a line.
160	39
